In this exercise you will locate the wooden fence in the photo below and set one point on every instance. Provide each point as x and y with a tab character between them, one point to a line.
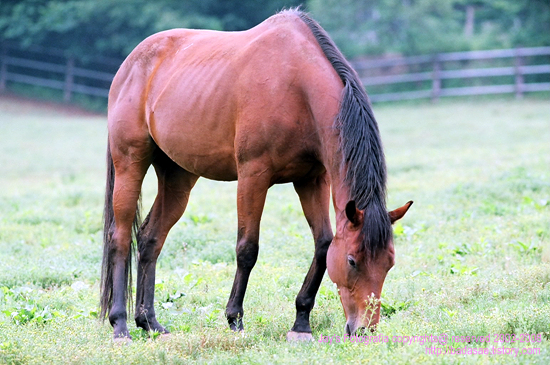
51	68
518	71
430	76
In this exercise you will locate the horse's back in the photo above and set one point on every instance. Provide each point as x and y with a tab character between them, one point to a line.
213	100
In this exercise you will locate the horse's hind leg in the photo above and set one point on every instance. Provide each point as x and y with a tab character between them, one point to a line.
131	161
314	196
174	185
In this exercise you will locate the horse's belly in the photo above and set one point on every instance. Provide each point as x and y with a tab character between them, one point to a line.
217	166
198	137
201	157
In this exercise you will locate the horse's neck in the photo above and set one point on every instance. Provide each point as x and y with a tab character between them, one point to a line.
340	193
324	103
332	160
339	187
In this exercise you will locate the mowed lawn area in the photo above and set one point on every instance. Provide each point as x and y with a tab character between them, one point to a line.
473	253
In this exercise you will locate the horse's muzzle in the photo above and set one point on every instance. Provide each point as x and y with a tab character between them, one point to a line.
351	329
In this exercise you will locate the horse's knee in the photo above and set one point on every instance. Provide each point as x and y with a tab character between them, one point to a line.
321	248
247	253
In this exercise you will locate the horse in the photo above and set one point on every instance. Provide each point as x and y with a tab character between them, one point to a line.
274	104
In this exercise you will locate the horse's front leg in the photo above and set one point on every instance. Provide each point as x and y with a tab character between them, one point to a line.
315	198
251	193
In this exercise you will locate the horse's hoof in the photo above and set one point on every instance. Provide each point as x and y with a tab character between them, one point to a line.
292	336
122	340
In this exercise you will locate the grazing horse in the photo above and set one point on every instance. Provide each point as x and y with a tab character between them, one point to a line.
274	104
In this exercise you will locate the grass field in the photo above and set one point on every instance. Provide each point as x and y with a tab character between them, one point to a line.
473	253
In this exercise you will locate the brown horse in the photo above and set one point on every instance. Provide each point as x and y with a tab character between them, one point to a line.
275	104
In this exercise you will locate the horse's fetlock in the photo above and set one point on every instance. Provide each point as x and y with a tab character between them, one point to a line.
234	313
115	316
304	304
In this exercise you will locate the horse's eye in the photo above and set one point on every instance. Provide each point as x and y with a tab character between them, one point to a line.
351	261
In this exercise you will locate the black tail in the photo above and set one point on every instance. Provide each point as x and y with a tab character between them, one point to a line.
106	294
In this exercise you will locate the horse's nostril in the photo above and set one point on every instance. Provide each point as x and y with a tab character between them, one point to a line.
360	331
348	329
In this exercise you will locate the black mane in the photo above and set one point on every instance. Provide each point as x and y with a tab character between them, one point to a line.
363	159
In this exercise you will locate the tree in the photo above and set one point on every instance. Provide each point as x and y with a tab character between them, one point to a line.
359	27
412	27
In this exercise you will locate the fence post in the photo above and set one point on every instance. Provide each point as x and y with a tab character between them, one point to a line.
518	75
69	80
436	78
3	69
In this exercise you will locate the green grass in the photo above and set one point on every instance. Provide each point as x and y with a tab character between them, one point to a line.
473	253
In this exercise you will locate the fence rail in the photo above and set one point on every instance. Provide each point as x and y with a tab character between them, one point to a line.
414	77
434	70
51	68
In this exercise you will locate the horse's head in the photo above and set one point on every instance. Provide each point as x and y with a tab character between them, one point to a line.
359	274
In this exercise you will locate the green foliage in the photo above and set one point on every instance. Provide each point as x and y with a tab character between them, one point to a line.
431	26
107	27
388	307
113	28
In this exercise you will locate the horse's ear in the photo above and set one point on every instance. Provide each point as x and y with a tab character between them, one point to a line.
398	213
354	215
